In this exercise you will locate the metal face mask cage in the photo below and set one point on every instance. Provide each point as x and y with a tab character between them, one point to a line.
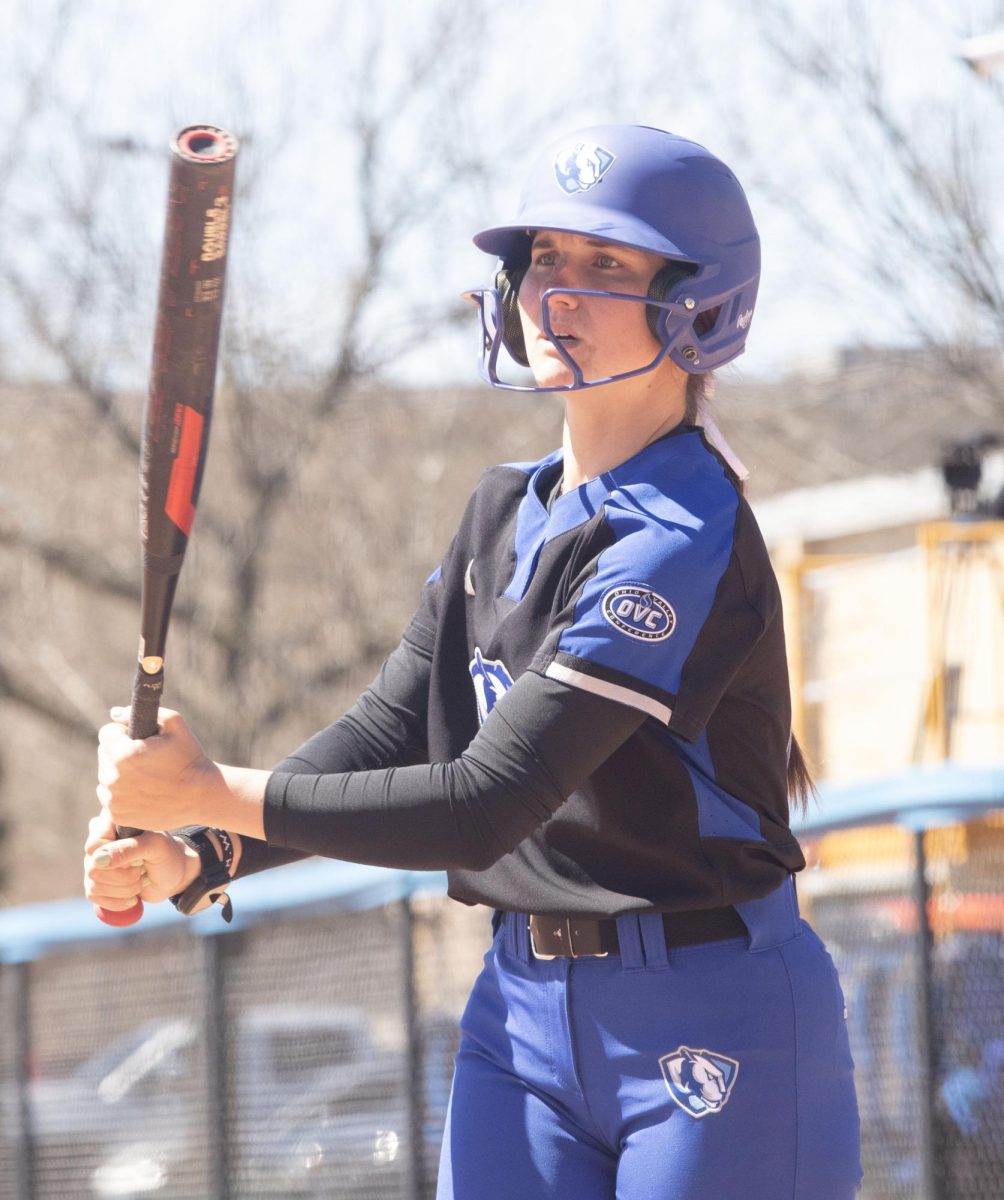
673	333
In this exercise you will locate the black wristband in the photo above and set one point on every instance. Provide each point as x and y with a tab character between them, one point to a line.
215	873
227	845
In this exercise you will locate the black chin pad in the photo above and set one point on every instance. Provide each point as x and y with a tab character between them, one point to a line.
507	283
663	282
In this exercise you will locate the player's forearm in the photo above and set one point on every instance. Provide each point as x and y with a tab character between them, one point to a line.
385	728
238	806
540	742
424	818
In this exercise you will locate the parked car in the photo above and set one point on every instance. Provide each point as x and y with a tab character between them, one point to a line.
358	1146
347	1147
143	1095
352	1143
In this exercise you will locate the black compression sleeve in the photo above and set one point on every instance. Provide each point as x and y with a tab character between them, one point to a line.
384	728
540	741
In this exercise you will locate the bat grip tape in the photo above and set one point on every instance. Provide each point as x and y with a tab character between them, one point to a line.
143	717
147	690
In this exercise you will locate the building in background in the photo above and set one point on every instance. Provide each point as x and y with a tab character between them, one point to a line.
890	553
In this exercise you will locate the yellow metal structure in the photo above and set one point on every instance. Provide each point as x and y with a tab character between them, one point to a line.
963	573
954	551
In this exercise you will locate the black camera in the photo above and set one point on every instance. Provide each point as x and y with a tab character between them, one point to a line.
962	471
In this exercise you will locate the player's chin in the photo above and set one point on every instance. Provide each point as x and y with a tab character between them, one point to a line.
549	369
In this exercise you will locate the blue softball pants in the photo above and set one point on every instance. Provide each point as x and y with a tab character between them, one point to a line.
720	1069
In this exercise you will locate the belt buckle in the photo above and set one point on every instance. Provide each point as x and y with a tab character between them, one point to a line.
590	954
570	943
535	951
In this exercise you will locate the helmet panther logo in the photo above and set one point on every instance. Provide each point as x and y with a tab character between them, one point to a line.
491	680
582	166
700	1081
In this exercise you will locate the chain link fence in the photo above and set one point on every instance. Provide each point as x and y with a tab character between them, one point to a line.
307	1050
913	915
308	1053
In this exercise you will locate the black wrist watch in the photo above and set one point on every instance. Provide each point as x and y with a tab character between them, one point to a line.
215	873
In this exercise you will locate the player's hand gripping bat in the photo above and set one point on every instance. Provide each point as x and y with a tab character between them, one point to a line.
180	400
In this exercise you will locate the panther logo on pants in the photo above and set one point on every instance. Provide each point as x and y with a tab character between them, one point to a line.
700	1081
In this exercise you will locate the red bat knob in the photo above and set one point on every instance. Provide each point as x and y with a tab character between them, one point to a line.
128	916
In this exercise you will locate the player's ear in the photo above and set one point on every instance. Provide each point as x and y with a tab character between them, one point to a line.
507	283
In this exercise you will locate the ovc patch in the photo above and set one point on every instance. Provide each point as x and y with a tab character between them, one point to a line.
639	612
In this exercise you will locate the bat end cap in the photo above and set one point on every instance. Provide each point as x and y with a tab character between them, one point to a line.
205	144
128	916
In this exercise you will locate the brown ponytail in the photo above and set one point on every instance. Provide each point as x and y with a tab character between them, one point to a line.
699	387
800	782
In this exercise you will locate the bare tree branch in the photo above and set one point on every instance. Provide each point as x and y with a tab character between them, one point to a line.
24	695
35	95
920	236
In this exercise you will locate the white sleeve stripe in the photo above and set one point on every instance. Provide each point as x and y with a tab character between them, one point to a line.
612	691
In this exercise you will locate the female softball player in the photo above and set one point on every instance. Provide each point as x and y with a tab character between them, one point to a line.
587	723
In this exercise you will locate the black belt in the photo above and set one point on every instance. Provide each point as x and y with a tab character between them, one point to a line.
580	937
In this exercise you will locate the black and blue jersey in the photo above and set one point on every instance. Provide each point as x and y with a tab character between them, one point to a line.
649	585
598	685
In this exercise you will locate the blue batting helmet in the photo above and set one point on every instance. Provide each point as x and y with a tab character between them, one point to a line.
652	190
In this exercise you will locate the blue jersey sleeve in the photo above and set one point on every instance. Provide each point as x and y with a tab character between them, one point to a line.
659	617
